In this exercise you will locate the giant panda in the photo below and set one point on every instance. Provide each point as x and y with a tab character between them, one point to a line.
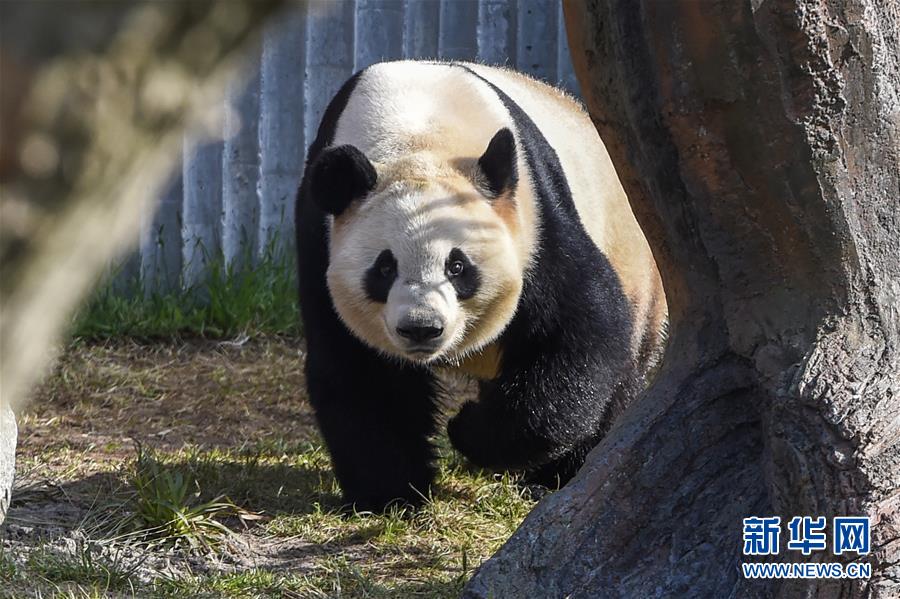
461	217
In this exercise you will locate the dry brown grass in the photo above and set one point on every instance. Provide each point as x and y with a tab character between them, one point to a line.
207	393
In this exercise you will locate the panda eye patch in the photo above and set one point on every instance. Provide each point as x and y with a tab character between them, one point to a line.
380	277
385	264
463	275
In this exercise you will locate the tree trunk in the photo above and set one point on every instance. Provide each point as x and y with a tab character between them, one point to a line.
759	143
94	100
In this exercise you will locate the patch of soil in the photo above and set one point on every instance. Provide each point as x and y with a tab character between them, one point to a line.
199	392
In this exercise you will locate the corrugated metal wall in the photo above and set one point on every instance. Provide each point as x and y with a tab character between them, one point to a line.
234	198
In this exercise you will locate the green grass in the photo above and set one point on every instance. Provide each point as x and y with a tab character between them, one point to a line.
8	569
231	301
198	502
287	494
86	566
167	504
429	552
332	578
184	497
84	571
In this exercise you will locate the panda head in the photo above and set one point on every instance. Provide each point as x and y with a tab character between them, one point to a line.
424	261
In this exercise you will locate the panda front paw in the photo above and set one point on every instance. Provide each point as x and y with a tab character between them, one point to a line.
386	489
382	501
379	504
468	434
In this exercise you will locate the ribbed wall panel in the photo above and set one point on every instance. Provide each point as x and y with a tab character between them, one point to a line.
282	135
201	227
241	169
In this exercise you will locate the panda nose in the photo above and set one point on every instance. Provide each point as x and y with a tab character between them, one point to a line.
419	332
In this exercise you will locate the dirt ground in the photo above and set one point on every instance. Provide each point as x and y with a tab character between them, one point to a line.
216	394
234	418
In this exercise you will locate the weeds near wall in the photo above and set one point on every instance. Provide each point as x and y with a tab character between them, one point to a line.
257	299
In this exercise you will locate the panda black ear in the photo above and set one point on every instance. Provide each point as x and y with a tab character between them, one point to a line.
498	163
339	176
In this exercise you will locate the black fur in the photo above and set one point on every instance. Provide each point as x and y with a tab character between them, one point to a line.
466	283
338	176
380	277
498	163
565	354
375	415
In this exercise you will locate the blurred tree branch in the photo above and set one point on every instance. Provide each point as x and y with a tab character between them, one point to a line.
93	111
95	97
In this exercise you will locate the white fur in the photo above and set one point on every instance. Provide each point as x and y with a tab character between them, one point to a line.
423	126
421	226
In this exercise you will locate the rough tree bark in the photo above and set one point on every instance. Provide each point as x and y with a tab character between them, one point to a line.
759	142
93	110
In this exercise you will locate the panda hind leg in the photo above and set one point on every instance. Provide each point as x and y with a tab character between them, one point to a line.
556	473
